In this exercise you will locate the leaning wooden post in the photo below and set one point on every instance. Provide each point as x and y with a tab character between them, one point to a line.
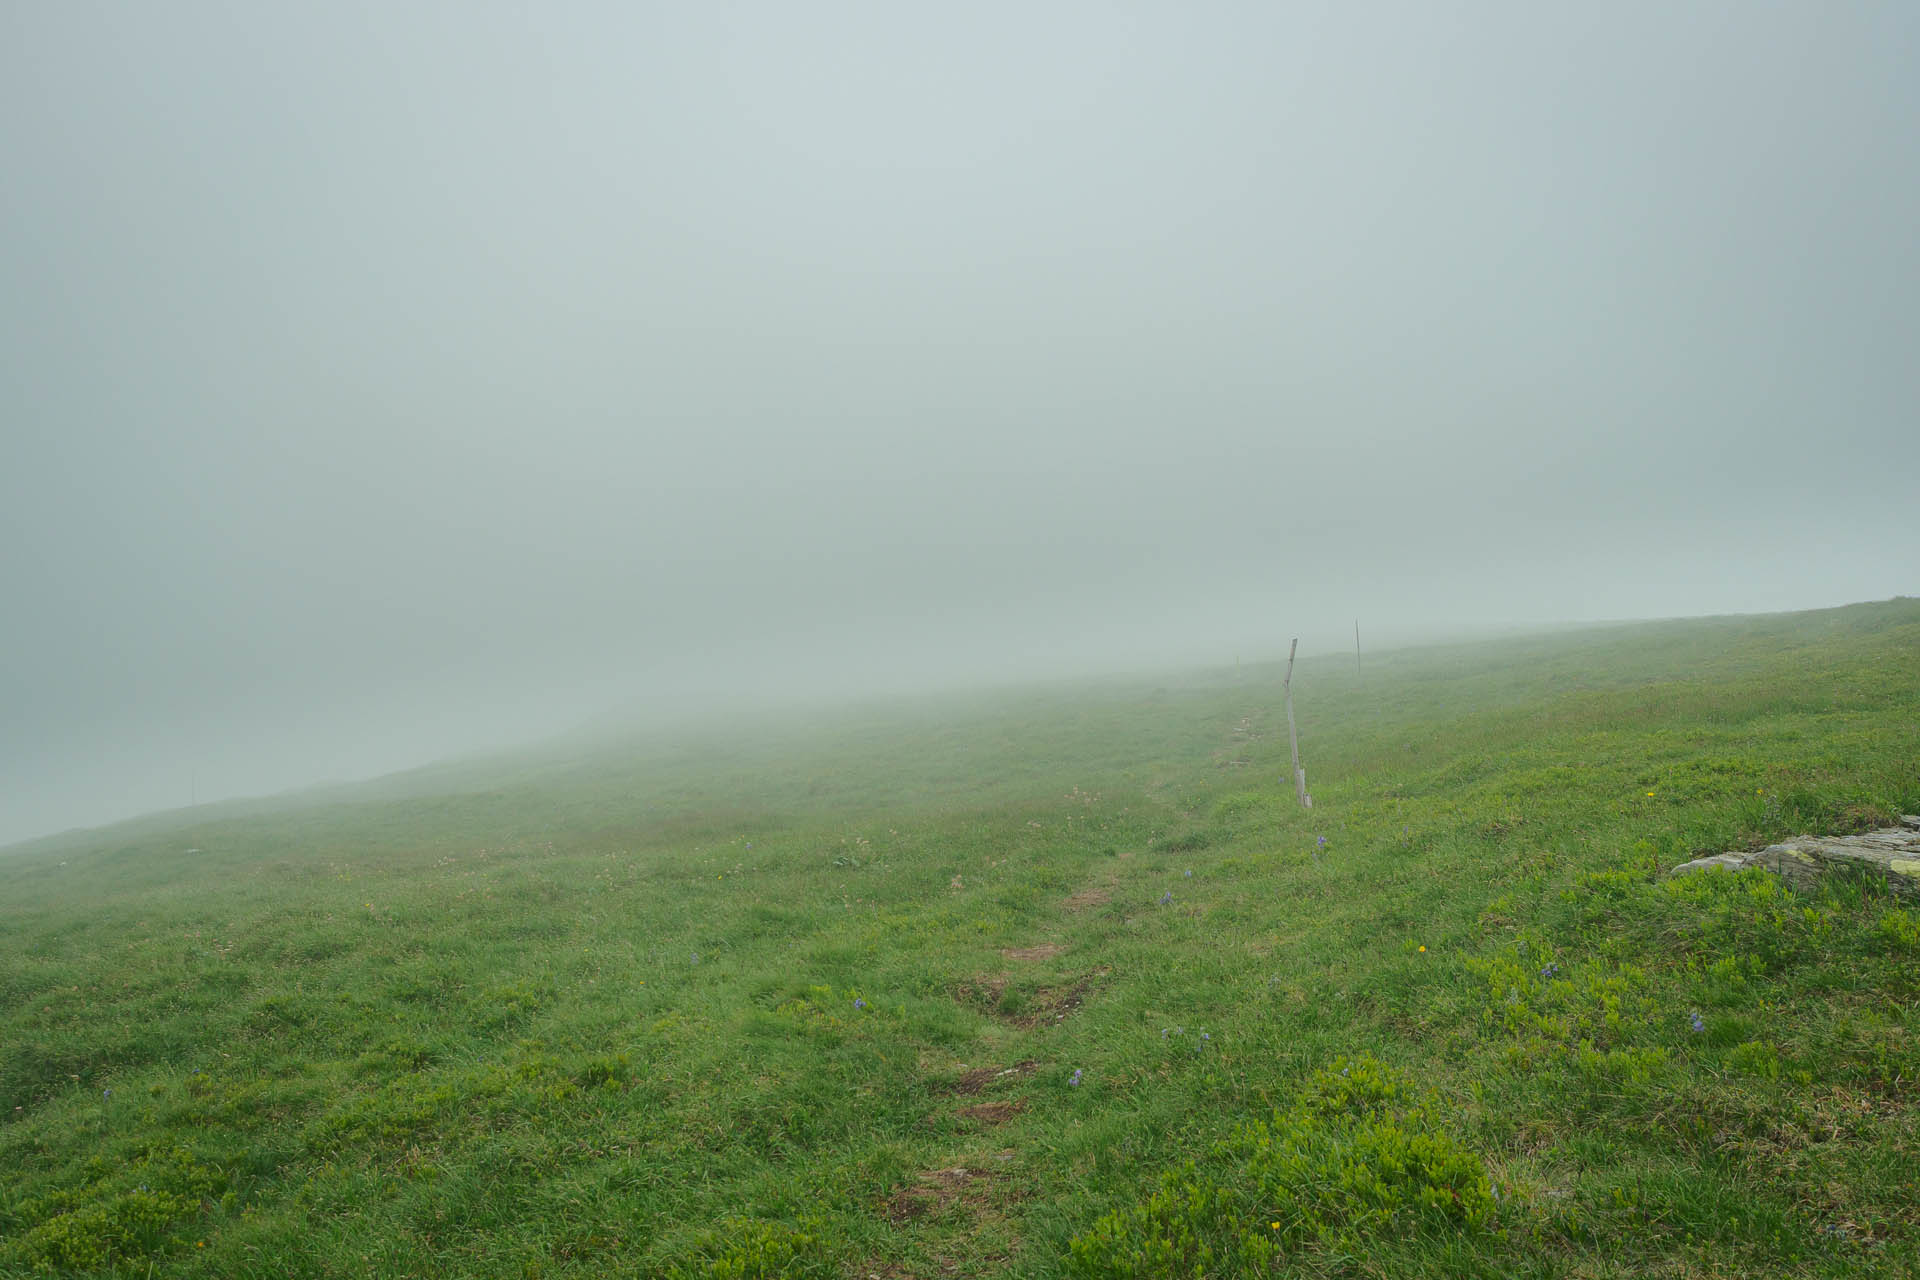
1293	737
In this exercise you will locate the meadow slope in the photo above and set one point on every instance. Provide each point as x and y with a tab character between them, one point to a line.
1054	981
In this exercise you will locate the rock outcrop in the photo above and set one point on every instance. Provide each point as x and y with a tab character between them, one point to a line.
1892	854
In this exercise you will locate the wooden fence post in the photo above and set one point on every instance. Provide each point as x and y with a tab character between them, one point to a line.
1293	737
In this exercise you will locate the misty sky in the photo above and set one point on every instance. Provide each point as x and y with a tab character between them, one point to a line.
381	381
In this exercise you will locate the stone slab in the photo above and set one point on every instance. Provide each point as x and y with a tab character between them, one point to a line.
1892	854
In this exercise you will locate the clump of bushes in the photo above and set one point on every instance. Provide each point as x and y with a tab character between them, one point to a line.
120	1213
1359	1156
757	1251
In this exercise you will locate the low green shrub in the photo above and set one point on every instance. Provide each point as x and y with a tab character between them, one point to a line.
117	1214
1900	928
756	1251
1357	1158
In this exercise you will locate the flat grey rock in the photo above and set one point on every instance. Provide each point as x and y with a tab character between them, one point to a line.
1892	855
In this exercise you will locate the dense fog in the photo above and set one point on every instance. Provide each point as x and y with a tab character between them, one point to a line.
380	382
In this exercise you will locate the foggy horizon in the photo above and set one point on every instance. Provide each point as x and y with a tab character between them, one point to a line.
383	385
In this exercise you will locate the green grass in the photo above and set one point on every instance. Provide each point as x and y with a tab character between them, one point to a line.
808	998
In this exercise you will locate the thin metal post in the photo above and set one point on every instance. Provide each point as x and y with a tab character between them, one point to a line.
1293	736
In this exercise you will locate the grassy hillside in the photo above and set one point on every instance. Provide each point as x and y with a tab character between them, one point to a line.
1054	982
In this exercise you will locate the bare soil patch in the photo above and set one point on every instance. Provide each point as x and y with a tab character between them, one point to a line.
1040	1007
1088	898
1045	951
980	1078
1057	1005
994	1112
939	1190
